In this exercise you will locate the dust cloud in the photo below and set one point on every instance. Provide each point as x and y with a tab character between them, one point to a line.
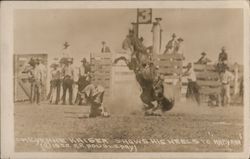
125	98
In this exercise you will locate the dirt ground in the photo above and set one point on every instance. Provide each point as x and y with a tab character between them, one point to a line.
186	128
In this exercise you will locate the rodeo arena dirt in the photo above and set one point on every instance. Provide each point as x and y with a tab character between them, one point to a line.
147	97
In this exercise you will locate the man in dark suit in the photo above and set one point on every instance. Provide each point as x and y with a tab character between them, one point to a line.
68	75
84	78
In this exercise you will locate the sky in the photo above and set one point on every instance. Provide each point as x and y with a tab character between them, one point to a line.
45	31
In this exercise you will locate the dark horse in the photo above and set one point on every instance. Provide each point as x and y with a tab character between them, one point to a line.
148	78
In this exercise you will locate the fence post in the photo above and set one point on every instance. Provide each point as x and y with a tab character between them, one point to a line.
236	77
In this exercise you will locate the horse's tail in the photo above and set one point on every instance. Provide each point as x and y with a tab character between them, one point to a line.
167	104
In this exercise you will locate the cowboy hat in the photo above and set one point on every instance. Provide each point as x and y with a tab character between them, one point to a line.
203	53
131	31
54	65
189	65
180	39
158	19
173	35
84	60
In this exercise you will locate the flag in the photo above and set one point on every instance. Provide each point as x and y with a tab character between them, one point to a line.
144	16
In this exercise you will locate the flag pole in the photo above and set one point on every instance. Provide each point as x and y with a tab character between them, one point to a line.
137	24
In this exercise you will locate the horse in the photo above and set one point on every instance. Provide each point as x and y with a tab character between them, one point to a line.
149	79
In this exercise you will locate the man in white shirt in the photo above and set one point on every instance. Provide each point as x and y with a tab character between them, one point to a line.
226	78
193	88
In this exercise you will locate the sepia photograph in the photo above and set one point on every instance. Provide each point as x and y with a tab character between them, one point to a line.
139	79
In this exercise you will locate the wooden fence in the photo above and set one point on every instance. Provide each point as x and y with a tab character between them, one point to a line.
170	67
101	69
22	87
208	79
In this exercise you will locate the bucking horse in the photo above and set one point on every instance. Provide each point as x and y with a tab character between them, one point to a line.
150	81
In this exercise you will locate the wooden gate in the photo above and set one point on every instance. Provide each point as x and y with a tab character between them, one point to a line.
101	66
22	87
170	67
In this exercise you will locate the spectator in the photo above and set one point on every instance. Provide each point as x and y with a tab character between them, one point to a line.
178	47
55	84
203	59
94	94
68	79
227	77
36	76
105	48
171	45
192	88
222	61
84	79
127	45
223	56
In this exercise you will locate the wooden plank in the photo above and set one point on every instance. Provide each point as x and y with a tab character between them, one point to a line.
100	69
101	78
122	81
101	64
171	76
27	93
101	60
105	85
104	77
123	77
207	75
199	67
101	82
169	56
102	74
208	90
208	83
101	55
211	68
170	70
123	73
168	63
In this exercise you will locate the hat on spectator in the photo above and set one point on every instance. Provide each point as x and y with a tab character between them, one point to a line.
203	53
